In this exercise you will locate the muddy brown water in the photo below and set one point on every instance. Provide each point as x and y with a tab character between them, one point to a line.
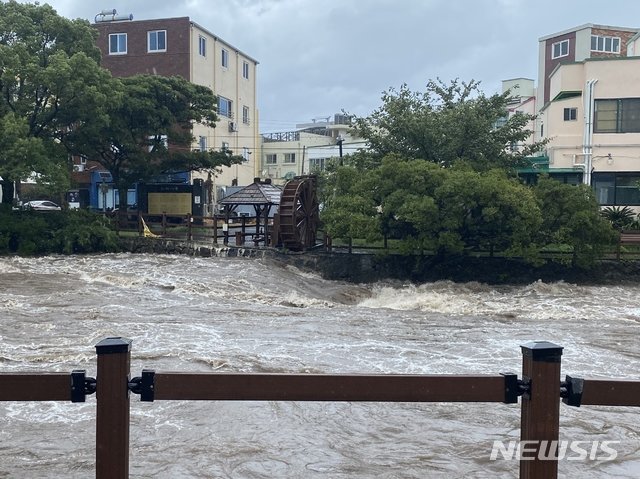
249	315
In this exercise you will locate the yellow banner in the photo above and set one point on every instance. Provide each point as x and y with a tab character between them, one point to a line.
169	203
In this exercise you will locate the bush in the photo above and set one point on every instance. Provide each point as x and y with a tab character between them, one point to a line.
30	233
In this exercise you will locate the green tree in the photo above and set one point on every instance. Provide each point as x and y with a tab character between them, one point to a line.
146	129
50	82
488	212
447	124
572	221
425	206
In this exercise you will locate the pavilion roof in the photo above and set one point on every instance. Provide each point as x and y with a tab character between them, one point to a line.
254	194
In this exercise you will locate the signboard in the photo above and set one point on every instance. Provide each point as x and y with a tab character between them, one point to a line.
169	203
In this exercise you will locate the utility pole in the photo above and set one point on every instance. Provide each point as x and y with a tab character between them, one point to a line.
339	140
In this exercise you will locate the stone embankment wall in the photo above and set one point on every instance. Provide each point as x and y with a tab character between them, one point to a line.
366	268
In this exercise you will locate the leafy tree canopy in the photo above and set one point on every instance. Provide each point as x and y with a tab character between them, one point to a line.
457	210
49	81
146	128
572	219
447	124
429	207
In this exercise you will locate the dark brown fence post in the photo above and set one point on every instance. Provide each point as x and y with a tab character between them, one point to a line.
540	421
112	414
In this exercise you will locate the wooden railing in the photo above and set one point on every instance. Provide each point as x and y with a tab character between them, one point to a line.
539	386
238	231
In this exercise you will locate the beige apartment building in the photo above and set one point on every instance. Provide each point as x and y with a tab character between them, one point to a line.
179	46
589	108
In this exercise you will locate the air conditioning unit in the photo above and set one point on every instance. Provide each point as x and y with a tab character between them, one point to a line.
78	168
233	126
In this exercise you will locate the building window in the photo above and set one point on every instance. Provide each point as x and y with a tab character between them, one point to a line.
616	189
117	44
500	122
289	157
245	70
600	43
202	46
225	146
224	107
225	58
617	116
157	41
245	115
202	143
271	159
560	49
570	114
317	164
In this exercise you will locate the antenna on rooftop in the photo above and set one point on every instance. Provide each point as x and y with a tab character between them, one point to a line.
111	16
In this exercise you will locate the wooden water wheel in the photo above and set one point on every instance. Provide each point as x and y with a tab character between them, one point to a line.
299	213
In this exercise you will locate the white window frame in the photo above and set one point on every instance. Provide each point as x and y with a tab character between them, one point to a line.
289	158
152	33
245	115
202	143
118	36
271	159
225	145
317	164
562	45
245	70
228	112
202	46
224	58
601	44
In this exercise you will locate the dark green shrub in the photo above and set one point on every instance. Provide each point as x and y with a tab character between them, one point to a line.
65	232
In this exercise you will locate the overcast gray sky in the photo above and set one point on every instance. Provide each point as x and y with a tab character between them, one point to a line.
320	57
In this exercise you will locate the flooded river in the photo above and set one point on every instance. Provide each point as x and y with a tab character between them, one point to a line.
241	315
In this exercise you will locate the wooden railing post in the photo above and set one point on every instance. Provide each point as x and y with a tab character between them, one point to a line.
112	415
540	420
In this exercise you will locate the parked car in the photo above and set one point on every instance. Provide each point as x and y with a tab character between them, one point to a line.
41	205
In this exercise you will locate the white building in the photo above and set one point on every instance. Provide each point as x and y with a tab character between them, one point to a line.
308	148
